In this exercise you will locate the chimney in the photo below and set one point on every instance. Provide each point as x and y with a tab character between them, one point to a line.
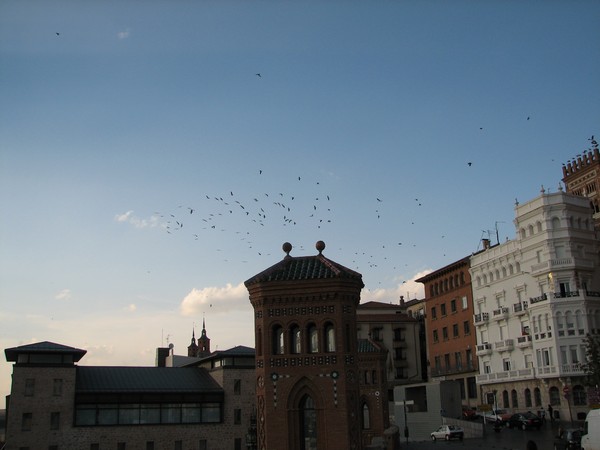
486	244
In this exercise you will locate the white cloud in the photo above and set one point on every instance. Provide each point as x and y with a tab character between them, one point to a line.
137	222
65	294
123	34
409	289
216	299
131	307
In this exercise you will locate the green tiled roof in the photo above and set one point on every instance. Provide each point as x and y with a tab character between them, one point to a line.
366	346
304	268
97	379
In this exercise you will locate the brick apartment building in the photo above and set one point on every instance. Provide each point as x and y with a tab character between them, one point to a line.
451	336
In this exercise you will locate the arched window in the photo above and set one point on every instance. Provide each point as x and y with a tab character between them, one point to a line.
515	398
554	396
278	341
505	403
539	226
530	229
308	424
522	233
578	322
537	397
555	223
503	272
518	267
313	339
579	396
366	417
295	339
528	403
374	377
329	338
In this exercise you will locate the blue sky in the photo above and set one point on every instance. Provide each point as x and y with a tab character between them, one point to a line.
138	117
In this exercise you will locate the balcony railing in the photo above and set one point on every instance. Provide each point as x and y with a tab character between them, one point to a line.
481	318
505	345
520	308
484	349
524	341
452	369
507	376
541	298
500	313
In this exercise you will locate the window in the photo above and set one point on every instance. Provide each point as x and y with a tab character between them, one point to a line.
237	444
579	397
528	403
443	309
458	359
237	386
95	446
445	333
149	445
398	334
433	313
26	422
455	330
466	328
447	361
295	339
202	444
537	396
237	416
178	445
437	363
366	419
57	387
465	303
329	338
506	364
435	336
121	446
505	399
54	420
554	396
515	398
29	387
313	339
453	305
278	347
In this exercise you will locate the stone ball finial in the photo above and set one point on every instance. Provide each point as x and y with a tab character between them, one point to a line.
320	246
287	248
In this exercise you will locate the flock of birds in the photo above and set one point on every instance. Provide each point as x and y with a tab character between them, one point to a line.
302	205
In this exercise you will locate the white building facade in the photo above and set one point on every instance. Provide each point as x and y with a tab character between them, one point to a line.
535	299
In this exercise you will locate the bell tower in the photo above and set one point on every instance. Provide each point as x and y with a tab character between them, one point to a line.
307	385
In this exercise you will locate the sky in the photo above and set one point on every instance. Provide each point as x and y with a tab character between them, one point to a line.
155	155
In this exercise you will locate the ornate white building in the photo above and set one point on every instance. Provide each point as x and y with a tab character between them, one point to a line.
535	299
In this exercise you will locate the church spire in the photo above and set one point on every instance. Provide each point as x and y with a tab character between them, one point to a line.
193	347
203	341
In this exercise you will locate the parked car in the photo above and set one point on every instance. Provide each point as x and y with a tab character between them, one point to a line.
524	421
469	413
496	415
448	432
570	440
590	438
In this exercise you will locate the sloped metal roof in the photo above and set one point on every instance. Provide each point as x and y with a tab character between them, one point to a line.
44	347
304	268
98	379
367	346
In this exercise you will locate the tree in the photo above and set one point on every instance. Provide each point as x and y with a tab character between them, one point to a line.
591	367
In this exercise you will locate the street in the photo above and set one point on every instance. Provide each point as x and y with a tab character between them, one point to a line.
506	439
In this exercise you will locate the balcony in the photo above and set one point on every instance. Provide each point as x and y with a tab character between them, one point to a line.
484	349
541	298
481	319
500	313
524	342
507	376
520	308
574	369
504	346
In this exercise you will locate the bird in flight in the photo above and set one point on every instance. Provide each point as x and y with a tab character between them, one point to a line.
469	164
259	75
58	34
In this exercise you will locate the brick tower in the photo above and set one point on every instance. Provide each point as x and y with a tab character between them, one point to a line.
307	387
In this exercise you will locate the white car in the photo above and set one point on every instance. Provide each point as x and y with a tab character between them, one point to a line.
448	432
496	415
